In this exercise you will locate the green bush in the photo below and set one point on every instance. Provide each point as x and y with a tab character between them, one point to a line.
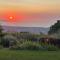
1	46
29	45
52	48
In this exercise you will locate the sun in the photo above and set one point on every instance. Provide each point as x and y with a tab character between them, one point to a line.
11	17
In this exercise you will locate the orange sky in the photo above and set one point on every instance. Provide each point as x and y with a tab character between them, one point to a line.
29	12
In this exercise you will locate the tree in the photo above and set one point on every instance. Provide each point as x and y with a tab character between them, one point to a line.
9	40
1	32
1	35
54	28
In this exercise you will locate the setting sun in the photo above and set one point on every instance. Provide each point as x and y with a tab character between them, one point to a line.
11	17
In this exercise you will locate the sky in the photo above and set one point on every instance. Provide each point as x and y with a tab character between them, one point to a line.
29	13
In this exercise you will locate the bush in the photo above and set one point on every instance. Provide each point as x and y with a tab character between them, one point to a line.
52	48
1	46
29	45
32	45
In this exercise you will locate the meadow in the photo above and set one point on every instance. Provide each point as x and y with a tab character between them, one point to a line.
6	54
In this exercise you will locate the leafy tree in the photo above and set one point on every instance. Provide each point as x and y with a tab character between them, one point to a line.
54	28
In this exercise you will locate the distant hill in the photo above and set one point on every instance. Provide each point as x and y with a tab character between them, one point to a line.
26	29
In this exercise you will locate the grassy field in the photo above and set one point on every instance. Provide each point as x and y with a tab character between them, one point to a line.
6	54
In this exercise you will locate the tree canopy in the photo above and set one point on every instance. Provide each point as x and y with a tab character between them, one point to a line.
55	28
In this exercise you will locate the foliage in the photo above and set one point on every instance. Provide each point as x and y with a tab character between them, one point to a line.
1	34
8	41
55	28
1	46
26	40
52	48
29	45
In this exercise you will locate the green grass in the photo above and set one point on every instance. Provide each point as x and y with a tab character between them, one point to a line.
6	54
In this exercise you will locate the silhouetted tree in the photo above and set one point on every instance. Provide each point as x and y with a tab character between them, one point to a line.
54	28
1	32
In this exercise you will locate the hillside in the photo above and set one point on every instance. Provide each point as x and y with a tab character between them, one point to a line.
25	29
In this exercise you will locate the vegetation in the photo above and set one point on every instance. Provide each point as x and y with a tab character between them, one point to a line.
1	33
29	46
55	28
27	40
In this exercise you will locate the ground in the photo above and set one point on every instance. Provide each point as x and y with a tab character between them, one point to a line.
6	54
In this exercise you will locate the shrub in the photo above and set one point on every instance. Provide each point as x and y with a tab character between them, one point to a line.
52	48
29	45
1	46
